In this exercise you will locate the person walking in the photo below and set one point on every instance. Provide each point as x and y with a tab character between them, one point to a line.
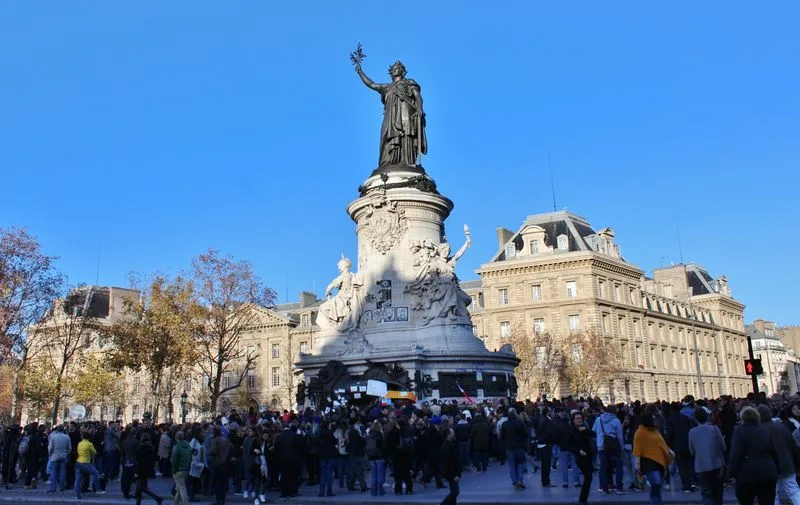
450	457
377	458
787	454
328	454
753	461
480	433
181	463
356	446
401	442
513	436
128	448
289	451
652	456
59	446
219	453
146	459
112	452
678	426
83	464
545	437
578	441
610	442
707	447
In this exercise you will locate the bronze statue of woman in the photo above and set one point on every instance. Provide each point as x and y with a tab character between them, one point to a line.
403	129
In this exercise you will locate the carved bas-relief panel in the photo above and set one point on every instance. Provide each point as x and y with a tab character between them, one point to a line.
384	223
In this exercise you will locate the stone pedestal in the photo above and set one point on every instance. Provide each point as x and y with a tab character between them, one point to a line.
404	304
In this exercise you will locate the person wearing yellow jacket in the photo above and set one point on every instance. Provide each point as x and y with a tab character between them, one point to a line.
652	455
83	464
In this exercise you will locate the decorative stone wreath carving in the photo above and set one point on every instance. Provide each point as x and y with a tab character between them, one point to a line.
385	224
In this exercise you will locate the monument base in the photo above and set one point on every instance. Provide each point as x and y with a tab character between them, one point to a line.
429	374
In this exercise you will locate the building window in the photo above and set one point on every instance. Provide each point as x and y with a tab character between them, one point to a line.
510	250
634	300
505	329
639	357
536	292
473	301
276	351
503	294
251	378
637	328
534	247
606	323
305	320
674	361
574	322
601	289
276	376
227	380
135	388
618	293
135	412
572	289
538	325
303	346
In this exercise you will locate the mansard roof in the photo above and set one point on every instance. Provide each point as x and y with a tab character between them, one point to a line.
580	234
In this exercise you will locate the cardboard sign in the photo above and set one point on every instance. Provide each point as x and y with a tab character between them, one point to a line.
376	388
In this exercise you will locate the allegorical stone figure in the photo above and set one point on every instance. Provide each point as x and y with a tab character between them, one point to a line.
342	310
436	286
403	129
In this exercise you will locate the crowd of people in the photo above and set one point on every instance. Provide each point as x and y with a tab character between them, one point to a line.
750	443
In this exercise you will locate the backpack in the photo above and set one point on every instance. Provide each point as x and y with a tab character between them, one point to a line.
372	446
24	444
610	441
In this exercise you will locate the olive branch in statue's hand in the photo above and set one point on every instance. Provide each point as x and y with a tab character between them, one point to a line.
357	56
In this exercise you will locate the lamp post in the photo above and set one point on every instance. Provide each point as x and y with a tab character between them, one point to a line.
184	396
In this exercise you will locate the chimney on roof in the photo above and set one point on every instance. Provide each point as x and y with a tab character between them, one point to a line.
503	236
307	299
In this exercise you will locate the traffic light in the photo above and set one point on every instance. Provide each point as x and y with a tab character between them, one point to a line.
753	367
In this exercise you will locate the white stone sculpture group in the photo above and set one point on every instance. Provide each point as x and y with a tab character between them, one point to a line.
436	288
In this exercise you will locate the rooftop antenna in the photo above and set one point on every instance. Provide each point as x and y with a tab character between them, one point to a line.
680	247
552	183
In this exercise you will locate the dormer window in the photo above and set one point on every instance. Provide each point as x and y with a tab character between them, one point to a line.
563	243
534	247
305	319
510	250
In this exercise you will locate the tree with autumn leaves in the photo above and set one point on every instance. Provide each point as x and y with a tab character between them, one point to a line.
579	363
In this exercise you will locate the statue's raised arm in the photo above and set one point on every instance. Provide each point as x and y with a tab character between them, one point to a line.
403	137
367	81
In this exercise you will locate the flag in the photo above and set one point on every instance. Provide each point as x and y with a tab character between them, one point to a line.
470	401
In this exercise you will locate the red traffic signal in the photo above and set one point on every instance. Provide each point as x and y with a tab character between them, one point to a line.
753	367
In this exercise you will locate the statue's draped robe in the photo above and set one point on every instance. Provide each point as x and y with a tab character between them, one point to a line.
403	130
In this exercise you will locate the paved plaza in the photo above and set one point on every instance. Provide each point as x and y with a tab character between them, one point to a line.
493	487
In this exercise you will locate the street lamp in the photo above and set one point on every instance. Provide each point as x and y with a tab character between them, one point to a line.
184	396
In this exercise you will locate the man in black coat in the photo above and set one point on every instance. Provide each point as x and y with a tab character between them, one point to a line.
450	457
289	452
678	426
545	437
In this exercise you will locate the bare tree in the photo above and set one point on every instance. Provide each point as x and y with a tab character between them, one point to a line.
29	286
591	361
227	291
541	364
63	335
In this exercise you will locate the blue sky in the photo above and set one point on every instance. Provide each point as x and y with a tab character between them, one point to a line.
151	131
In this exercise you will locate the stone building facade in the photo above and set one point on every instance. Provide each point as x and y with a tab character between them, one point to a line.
679	332
781	371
